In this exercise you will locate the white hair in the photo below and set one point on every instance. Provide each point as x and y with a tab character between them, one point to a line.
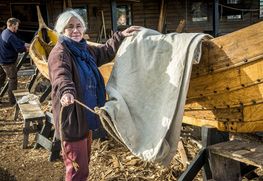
64	18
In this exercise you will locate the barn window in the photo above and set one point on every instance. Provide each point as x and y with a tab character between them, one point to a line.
233	1
83	12
231	10
29	21
199	11
261	8
21	11
124	17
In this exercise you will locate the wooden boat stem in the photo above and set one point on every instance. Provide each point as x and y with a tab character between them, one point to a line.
41	22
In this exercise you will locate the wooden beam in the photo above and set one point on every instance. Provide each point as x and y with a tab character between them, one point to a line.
248	152
195	166
162	16
215	18
114	15
180	27
182	154
224	168
64	5
69	4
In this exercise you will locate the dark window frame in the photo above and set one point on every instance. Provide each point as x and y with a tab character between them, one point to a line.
128	13
199	11
79	9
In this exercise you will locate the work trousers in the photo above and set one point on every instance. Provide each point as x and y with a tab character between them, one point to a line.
78	151
9	71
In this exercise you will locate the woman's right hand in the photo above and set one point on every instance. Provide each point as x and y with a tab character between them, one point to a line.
67	99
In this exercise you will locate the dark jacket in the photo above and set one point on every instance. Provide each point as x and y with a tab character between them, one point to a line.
64	78
10	46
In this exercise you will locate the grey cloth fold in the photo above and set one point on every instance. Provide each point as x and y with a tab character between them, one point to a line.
147	91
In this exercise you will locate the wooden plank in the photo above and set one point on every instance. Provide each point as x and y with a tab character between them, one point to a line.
180	26
231	79
49	117
210	136
253	112
25	134
221	51
244	96
181	150
223	115
247	152
162	16
20	93
26	72
224	168
201	122
240	127
30	111
45	94
195	166
45	142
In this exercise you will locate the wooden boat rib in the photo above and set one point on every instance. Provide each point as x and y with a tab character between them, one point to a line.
226	87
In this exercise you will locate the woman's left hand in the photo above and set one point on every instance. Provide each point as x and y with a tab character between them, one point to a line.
130	31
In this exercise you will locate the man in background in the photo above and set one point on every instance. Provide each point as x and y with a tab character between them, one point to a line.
10	46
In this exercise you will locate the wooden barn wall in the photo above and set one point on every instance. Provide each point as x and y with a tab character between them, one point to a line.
178	10
144	13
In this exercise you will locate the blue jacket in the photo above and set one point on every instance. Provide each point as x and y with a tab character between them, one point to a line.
10	46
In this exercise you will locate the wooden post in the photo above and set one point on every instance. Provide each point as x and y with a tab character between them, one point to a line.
210	136
180	27
182	154
64	5
224	168
162	16
114	15
69	4
215	18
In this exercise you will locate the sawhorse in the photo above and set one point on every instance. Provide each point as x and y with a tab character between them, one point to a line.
47	139
31	83
208	160
31	113
235	159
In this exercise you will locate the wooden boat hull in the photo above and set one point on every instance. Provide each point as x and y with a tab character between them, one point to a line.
42	44
226	88
39	51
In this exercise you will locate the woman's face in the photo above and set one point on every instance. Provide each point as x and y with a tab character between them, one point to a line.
74	29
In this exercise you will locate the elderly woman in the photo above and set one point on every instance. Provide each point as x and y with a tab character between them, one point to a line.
74	75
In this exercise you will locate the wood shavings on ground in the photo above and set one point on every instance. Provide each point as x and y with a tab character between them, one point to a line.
111	161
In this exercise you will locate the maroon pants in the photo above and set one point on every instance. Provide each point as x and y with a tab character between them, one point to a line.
78	151
9	71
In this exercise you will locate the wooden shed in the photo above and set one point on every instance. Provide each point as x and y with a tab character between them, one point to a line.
216	17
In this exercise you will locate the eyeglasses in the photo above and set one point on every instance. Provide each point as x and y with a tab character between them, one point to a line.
72	27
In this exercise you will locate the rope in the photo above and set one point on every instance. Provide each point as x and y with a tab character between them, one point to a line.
229	7
74	163
96	110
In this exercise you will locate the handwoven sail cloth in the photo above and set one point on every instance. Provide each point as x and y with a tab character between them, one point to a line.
147	91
